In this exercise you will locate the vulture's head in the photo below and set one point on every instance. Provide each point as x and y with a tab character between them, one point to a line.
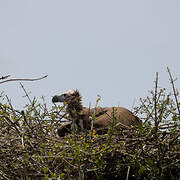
65	97
72	98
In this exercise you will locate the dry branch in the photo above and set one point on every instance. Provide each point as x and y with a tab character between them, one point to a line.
24	79
4	77
174	90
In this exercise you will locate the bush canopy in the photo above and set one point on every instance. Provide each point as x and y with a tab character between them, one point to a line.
31	149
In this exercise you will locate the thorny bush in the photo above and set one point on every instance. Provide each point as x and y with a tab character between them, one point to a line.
31	149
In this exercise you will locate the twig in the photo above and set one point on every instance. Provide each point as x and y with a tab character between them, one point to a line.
155	101
4	77
11	122
93	118
172	163
81	173
26	93
174	139
127	176
174	90
148	112
3	175
10	105
24	79
25	120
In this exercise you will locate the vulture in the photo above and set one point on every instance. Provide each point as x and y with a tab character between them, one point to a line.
82	118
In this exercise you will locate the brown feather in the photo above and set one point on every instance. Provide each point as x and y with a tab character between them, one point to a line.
103	116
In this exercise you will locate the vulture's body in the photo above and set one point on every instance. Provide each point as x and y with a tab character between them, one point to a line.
102	117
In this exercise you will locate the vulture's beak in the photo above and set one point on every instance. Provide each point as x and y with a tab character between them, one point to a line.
58	99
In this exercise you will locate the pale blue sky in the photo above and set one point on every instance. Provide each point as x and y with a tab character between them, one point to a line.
107	47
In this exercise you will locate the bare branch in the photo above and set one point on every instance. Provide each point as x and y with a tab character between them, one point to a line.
24	79
4	77
174	90
155	96
26	93
127	176
155	102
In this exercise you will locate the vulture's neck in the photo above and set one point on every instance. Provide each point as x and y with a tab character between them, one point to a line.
74	105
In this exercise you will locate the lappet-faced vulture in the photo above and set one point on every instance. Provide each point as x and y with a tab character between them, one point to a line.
81	116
